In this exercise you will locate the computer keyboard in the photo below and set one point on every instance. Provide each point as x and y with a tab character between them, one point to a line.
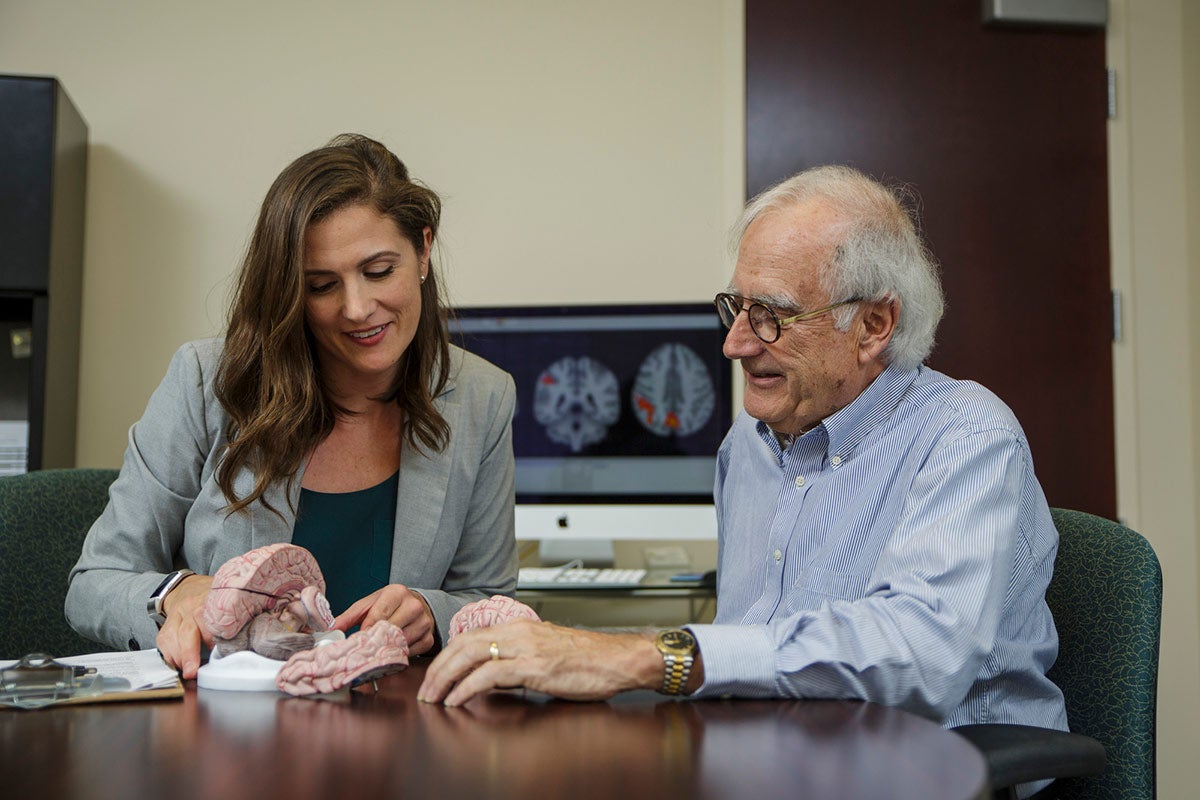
583	577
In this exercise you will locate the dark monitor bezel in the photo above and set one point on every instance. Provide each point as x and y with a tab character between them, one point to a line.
724	385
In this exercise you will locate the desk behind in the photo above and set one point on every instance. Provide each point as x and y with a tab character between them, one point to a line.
244	746
696	599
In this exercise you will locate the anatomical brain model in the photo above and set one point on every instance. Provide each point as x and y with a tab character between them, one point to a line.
271	601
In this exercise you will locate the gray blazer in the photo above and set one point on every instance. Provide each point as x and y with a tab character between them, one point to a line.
454	536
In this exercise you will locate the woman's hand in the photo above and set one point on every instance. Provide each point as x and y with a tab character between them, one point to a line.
397	604
180	636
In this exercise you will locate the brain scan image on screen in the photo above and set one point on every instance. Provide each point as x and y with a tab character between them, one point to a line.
673	392
576	400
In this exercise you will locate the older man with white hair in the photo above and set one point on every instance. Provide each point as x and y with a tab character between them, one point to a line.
882	535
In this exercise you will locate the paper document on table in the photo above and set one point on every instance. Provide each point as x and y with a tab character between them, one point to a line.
98	678
144	669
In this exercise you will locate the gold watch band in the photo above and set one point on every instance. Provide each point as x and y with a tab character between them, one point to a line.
676	673
678	649
675	677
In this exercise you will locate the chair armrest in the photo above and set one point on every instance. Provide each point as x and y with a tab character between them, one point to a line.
1022	753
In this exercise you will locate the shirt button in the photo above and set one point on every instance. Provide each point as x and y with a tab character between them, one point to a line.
799	481
836	460
778	556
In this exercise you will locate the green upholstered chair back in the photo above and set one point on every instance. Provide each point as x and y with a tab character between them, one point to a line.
44	516
1106	597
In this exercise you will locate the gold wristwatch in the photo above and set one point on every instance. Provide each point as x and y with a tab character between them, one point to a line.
678	648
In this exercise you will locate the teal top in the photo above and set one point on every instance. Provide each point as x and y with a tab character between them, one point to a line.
350	535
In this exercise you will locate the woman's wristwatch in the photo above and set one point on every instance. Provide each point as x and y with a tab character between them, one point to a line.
154	604
678	648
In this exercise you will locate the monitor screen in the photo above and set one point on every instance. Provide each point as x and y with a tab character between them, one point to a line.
620	411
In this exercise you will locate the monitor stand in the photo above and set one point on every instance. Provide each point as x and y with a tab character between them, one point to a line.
589	552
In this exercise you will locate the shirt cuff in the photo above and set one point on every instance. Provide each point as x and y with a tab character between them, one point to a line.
738	660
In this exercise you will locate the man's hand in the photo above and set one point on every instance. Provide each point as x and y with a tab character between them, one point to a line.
180	636
564	662
399	605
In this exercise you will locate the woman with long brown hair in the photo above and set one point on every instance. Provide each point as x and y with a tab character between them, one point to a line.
334	414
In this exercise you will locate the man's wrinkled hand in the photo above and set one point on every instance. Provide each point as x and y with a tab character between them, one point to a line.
565	662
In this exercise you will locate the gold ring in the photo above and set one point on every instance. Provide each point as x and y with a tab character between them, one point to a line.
494	649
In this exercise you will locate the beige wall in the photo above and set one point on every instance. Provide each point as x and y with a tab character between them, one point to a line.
586	151
1155	204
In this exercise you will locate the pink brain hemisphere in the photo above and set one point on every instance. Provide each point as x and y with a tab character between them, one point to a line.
267	580
368	654
495	610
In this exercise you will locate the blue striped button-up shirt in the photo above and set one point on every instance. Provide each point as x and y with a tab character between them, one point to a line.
897	552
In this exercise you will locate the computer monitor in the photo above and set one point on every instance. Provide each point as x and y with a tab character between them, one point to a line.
620	411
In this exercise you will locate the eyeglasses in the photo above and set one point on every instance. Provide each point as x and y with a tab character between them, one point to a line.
764	320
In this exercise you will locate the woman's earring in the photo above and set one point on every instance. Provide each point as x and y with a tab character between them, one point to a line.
422	279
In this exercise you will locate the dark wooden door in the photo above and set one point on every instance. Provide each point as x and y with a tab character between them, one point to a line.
1001	132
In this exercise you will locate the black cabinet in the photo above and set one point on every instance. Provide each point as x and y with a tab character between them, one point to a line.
43	173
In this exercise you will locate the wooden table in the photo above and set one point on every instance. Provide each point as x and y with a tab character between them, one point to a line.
233	745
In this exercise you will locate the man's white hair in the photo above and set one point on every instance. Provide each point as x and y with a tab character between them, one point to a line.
878	253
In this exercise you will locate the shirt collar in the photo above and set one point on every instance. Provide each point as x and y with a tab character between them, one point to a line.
847	426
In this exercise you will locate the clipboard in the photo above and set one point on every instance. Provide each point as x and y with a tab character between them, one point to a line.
38	680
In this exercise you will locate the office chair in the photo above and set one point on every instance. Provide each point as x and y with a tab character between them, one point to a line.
1106	597
44	516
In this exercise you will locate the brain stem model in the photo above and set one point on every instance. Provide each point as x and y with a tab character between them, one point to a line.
270	600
